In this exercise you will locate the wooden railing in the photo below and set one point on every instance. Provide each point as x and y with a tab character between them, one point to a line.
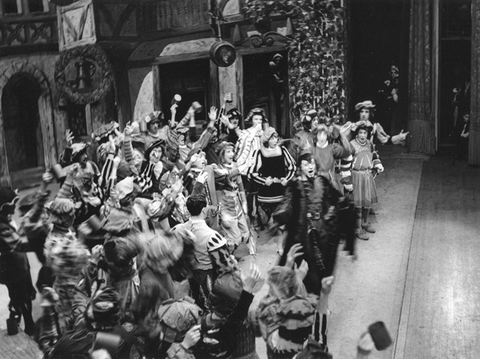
28	30
172	15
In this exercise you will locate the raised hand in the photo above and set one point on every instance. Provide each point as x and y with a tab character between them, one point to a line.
294	252
212	114
252	278
69	137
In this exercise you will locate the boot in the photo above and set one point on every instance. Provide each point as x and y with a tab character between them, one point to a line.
361	234
368	227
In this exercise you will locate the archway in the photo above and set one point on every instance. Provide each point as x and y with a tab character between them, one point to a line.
22	71
21	123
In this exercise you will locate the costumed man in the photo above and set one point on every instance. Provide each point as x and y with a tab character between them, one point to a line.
310	211
365	115
156	128
14	265
304	137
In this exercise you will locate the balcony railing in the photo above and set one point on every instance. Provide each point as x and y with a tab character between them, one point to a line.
28	31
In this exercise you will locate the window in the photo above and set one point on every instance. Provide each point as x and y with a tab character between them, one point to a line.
11	6
36	6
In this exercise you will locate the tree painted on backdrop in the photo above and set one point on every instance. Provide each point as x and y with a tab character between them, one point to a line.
316	52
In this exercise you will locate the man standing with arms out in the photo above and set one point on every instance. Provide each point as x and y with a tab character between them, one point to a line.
210	250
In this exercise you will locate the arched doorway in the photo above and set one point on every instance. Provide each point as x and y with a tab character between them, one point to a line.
21	124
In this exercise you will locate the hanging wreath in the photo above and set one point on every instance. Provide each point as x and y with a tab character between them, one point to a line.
83	74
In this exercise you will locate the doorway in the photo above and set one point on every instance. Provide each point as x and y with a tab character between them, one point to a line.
455	69
379	39
21	124
190	80
265	86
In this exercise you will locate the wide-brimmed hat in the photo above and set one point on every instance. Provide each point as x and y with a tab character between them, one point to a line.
364	104
79	148
153	117
156	144
101	134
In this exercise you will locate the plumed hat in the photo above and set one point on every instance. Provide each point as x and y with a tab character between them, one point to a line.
364	104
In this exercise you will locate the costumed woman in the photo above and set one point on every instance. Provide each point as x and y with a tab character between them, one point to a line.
273	167
231	197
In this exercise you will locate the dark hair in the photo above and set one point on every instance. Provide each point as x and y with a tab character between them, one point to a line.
121	251
319	129
234	113
305	157
195	204
372	113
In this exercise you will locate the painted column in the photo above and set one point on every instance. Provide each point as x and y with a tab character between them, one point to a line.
421	122
474	137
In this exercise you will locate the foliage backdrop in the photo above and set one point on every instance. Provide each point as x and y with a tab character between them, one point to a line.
316	52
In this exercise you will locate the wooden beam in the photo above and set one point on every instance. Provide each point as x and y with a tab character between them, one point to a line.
157	93
182	58
214	91
239	81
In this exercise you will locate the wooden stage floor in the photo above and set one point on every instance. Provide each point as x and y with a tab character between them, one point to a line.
440	315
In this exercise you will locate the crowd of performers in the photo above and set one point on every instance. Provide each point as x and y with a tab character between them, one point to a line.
138	249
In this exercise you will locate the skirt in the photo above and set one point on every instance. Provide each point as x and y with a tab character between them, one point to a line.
364	189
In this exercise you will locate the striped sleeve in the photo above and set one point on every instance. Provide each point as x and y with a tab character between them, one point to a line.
346	170
254	170
289	164
127	148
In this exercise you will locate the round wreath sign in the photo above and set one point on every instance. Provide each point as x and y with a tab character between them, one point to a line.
98	74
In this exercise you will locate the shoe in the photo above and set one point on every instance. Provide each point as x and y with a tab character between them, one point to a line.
361	234
372	212
368	227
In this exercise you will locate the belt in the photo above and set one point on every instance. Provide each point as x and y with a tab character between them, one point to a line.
367	170
316	215
230	193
